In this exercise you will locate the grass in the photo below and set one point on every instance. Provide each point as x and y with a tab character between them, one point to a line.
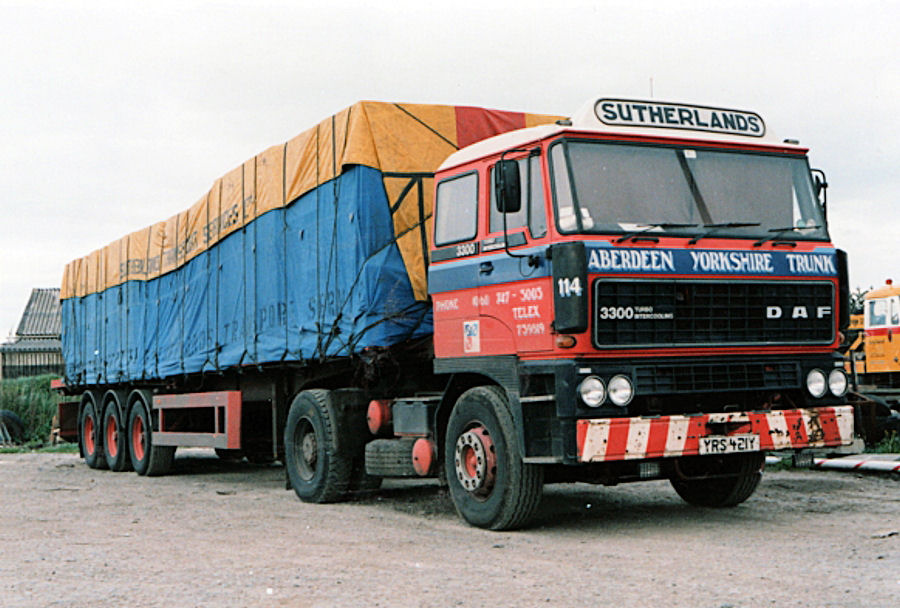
34	402
62	448
889	445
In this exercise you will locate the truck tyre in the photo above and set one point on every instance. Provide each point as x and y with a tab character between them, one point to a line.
89	437
391	457
318	468
260	457
733	479
15	428
146	458
115	439
490	485
360	480
229	455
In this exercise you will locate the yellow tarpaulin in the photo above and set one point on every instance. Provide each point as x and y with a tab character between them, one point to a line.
406	142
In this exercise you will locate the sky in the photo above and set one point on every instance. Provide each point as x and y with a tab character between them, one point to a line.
116	115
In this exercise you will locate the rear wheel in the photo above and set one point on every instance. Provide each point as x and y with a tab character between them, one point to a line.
146	458
318	467
490	485
718	481
89	435
115	439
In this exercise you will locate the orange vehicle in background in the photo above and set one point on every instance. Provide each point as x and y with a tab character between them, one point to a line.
876	349
873	359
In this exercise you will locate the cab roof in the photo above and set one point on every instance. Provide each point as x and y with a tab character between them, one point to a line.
628	117
885	291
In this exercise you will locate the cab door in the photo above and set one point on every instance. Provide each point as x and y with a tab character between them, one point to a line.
514	287
455	267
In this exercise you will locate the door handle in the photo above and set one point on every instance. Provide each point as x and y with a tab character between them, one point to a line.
486	268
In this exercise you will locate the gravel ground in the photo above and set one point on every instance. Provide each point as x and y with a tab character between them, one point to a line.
225	534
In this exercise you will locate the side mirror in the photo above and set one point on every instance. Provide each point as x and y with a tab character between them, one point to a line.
820	184
507	186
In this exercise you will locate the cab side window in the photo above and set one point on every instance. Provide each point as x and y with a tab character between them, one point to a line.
456	209
878	312
532	212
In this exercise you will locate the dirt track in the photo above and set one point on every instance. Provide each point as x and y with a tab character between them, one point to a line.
217	534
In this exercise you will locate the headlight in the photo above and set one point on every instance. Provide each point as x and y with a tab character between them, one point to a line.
816	384
620	390
837	382
592	391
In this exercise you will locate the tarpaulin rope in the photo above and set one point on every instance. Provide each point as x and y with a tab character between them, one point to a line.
426	125
354	339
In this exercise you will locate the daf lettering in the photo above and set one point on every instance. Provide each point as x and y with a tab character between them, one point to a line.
797	312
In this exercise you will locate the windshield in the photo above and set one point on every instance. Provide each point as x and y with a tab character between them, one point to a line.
615	188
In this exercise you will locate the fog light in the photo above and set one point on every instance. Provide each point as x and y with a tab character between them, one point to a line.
621	390
837	382
592	391
648	470
816	384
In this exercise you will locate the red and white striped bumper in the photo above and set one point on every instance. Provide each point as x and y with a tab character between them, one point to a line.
669	436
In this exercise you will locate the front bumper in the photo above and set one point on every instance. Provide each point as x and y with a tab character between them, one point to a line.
610	439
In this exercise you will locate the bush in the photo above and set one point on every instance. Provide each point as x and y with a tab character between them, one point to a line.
33	401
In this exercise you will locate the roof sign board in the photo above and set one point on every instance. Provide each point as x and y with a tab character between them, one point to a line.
634	113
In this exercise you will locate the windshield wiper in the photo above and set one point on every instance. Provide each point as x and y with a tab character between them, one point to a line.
716	227
777	232
651	226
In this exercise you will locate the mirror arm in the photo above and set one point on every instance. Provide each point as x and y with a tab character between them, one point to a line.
821	183
533	260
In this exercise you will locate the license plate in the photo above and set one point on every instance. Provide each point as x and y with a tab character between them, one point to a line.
729	444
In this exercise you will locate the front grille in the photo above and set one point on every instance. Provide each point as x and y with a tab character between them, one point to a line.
632	313
714	377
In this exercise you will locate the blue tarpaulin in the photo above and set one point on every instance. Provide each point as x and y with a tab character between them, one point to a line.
321	277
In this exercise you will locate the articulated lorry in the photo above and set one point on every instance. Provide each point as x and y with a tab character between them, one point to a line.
643	290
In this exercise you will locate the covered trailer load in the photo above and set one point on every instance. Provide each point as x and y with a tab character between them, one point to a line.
316	248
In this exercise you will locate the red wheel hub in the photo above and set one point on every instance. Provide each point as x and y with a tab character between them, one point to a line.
476	461
88	433
112	436
138	437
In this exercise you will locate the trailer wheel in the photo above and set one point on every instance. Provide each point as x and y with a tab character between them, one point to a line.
146	458
89	435
732	479
115	440
13	425
318	468
490	485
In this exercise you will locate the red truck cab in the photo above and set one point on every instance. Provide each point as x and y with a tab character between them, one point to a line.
653	285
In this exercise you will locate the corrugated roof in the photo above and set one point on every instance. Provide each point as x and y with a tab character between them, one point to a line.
33	345
41	317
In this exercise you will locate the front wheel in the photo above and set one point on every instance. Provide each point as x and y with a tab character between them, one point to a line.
718	481
490	485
